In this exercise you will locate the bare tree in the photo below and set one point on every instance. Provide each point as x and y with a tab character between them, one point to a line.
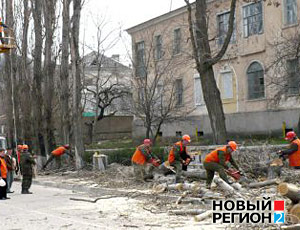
205	61
37	7
159	94
77	86
49	8
64	73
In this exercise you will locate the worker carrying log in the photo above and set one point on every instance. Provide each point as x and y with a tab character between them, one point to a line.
144	161
220	160
293	151
58	152
178	157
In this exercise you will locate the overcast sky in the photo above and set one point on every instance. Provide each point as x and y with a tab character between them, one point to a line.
124	14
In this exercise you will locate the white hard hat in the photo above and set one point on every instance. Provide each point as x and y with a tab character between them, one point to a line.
2	183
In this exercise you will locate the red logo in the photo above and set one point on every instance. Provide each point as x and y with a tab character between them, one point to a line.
278	205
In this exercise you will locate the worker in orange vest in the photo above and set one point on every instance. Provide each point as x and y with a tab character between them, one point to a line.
178	157
293	152
144	161
2	26
57	153
3	175
219	160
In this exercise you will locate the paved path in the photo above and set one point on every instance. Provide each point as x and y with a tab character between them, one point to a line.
51	208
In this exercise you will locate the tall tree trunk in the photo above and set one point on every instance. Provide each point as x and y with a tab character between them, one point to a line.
24	81
38	76
205	61
77	116
64	73
49	67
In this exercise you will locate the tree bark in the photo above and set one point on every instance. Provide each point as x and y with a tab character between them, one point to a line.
77	87
204	64
263	183
200	175
289	190
49	68
64	74
38	77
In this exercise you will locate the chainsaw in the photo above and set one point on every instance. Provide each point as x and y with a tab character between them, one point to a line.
233	173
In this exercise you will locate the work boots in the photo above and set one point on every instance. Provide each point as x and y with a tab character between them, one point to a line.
26	191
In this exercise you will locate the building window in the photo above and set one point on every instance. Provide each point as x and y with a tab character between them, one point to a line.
177	41
293	76
253	19
198	90
256	87
290	12
140	59
226	85
178	92
223	25
158	47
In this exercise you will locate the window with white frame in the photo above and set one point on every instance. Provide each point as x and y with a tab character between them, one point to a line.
223	25
256	86
140	59
177	41
199	100
227	85
290	12
158	47
178	92
253	19
293	76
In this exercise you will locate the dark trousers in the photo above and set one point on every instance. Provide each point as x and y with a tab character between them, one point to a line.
3	193
49	160
26	182
211	168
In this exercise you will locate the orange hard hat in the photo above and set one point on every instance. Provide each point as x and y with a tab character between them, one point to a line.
232	145
25	147
290	136
186	138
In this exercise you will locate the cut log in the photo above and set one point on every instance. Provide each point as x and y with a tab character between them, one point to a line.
184	194
263	183
291	227
186	212
203	216
226	187
197	174
295	214
289	190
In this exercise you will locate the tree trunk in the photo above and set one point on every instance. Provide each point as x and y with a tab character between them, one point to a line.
49	67
38	77
64	74
289	190
77	117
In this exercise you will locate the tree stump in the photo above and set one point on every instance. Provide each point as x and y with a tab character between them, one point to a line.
289	190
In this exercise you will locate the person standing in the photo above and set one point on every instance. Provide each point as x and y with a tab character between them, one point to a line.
11	167
3	175
178	157
26	164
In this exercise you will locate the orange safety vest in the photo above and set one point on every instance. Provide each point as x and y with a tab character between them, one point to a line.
294	158
3	168
213	156
171	157
59	151
138	157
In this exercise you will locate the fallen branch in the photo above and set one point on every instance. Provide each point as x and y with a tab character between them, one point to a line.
199	174
90	200
263	183
291	227
186	212
184	194
226	187
203	216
